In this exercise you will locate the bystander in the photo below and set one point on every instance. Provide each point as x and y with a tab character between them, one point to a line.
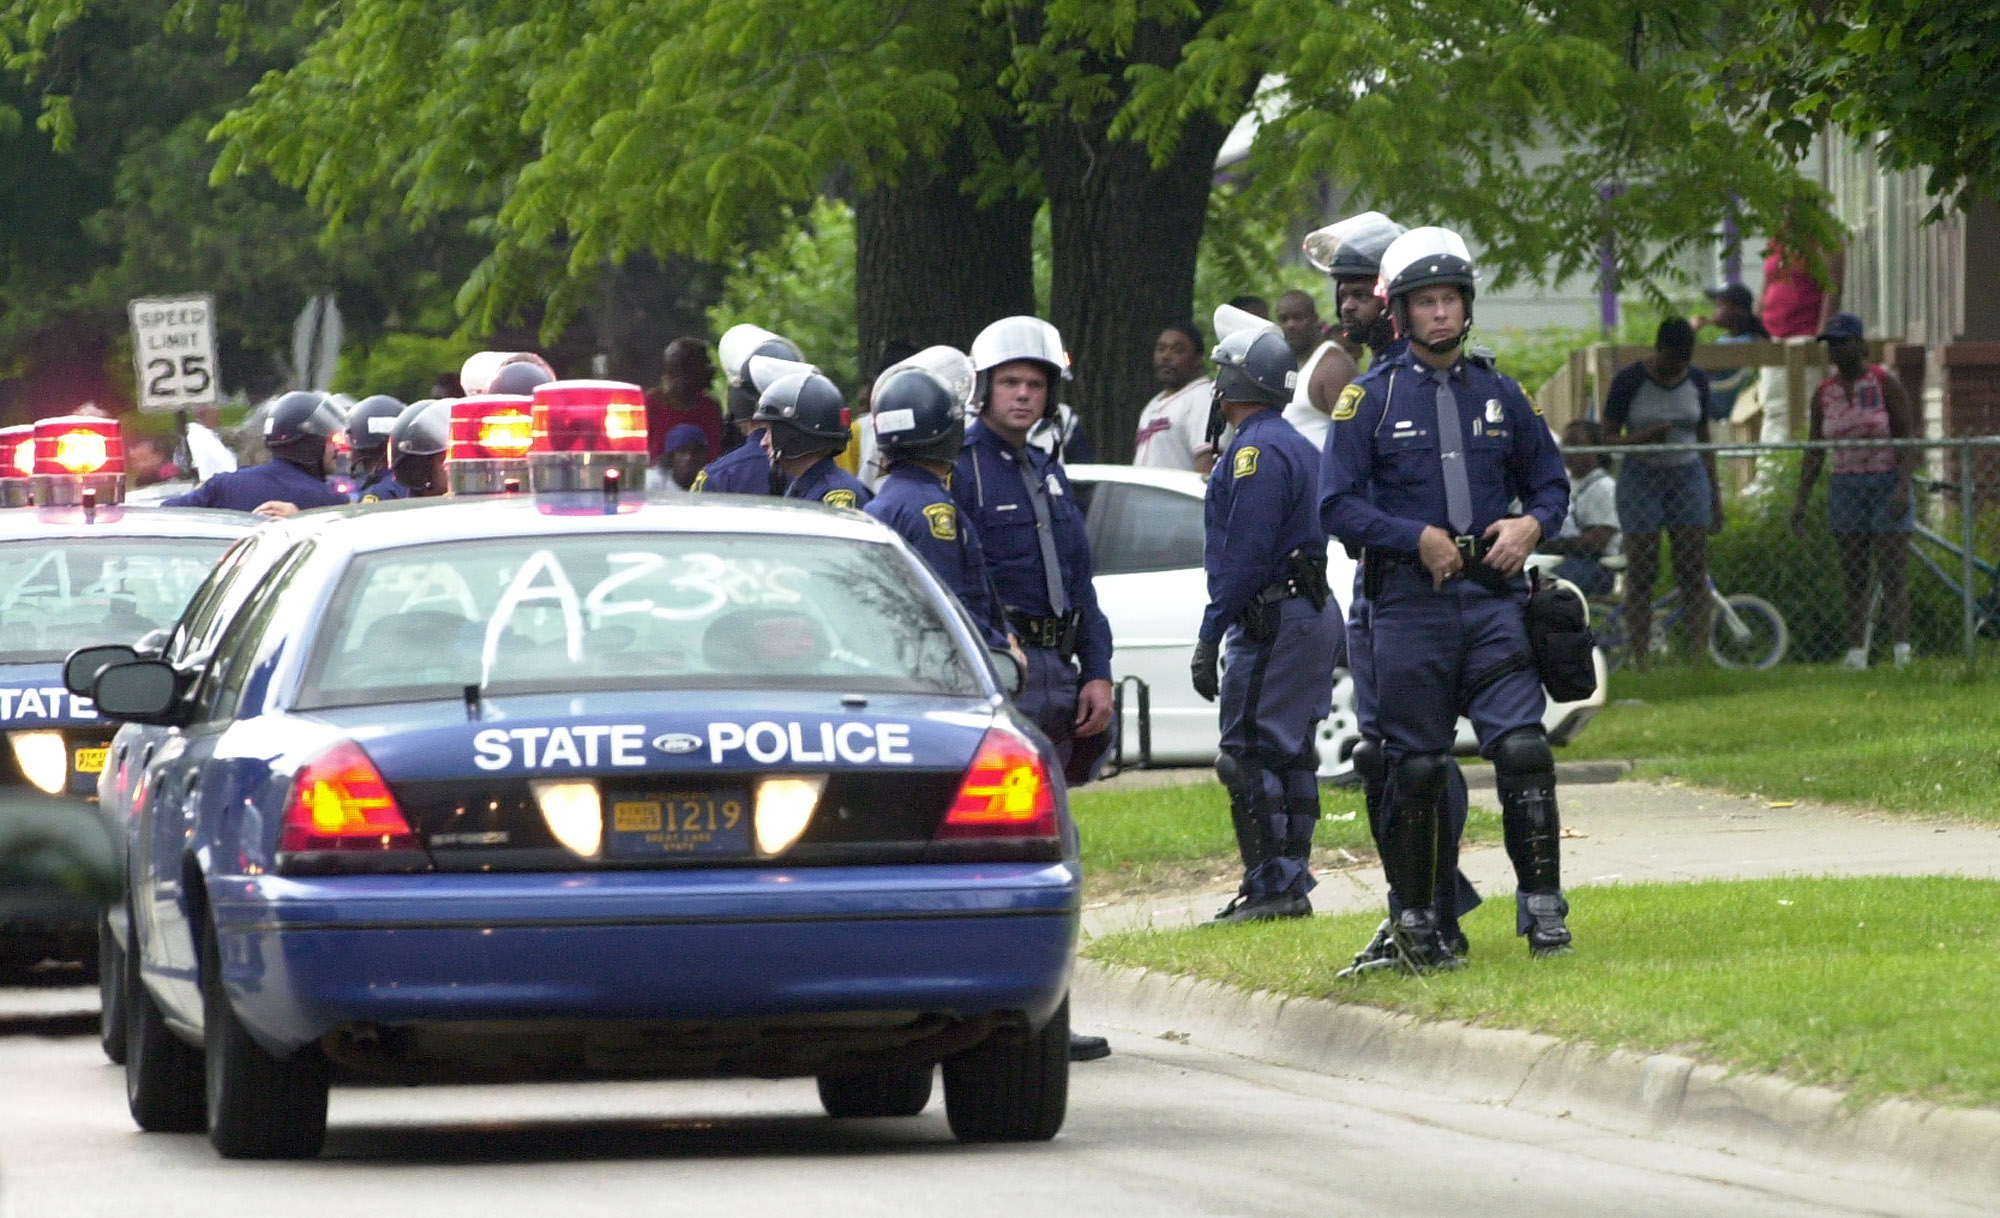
1589	532
1802	286
683	398
1735	314
1173	428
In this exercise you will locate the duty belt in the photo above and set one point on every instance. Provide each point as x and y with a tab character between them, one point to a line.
1058	632
1472	553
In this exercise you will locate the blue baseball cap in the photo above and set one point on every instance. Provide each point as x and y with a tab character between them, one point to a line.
683	435
1843	325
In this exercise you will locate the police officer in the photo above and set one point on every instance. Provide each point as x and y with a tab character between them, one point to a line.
747	469
806	426
1020	500
1265	554
299	429
520	377
368	427
1428	450
417	444
919	426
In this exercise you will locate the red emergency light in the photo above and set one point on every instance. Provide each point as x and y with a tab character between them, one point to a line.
76	455
17	464
489	439
589	436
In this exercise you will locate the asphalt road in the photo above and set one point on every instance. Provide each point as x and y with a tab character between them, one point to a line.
1157	1129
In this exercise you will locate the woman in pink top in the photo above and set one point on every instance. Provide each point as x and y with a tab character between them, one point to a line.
1868	496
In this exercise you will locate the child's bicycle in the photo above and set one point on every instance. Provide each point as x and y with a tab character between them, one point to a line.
1744	631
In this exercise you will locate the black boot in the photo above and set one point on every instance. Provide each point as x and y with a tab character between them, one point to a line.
1245	908
1419	946
1526	780
1087	1048
1377	954
1548	933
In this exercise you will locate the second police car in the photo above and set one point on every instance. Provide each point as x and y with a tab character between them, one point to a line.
567	785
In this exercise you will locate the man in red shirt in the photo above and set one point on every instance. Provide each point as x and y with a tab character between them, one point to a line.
683	397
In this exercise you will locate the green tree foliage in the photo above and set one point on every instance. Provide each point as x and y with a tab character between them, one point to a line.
803	287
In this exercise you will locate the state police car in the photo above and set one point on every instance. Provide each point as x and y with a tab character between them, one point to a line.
569	786
79	568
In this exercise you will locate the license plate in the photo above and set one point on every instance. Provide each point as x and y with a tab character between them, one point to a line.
680	824
91	761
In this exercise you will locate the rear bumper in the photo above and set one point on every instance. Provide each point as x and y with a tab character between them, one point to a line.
301	957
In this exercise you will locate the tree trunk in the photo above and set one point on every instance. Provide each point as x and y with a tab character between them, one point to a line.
931	266
1125	235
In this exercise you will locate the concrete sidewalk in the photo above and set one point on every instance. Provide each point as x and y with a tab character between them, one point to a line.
1633	832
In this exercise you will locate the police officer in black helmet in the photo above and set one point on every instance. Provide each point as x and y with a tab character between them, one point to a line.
1269	603
368	427
417	445
746	469
807	425
299	429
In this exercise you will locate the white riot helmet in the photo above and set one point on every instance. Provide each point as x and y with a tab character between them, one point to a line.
1353	248
1020	338
739	343
1422	258
948	364
475	375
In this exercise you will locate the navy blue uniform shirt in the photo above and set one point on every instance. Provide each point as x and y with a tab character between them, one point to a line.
244	490
1262	505
827	483
917	505
379	487
989	489
743	470
1382	480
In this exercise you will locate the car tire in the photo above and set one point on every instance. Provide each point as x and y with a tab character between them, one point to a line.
1010	1089
901	1091
259	1106
162	1075
110	991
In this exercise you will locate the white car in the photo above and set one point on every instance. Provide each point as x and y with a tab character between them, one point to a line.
1146	539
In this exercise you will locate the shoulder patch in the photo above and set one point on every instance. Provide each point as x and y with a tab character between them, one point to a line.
944	521
838	497
1349	403
370	498
1246	462
700	480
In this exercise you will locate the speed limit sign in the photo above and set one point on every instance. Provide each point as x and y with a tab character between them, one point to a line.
173	346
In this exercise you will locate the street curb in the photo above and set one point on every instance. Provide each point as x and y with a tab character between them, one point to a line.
1660	1096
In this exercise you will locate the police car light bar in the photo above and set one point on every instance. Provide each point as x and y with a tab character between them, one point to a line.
17	464
75	454
584	430
489	444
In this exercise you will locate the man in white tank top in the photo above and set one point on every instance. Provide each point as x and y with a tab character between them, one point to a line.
1324	368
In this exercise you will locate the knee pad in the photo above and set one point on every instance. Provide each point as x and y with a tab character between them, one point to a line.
1523	752
1243	777
1420	778
1227	771
1368	762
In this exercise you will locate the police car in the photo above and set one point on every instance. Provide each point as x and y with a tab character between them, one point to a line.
564	785
78	568
1146	540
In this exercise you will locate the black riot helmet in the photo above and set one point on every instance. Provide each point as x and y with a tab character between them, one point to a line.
417	446
369	424
916	416
298	425
1255	366
806	413
520	380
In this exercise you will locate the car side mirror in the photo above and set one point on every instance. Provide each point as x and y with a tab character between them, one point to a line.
81	669
1012	675
141	691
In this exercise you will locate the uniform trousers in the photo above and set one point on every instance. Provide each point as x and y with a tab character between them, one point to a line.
1273	694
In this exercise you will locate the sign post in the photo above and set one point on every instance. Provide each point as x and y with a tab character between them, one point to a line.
173	349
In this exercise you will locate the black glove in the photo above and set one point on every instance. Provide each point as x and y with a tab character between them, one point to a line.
1202	668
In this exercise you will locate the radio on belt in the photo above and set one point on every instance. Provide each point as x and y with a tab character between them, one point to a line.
488	452
78	460
17	465
589	436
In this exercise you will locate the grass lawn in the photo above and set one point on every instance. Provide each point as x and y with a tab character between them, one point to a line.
1156	839
1923	740
1881	986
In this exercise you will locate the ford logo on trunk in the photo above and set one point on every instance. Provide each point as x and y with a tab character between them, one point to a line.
676	742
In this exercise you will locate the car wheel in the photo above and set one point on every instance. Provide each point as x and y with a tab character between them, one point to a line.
259	1106
896	1092
162	1075
1011	1090
110	991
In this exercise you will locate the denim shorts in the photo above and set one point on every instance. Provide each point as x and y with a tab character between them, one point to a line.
1653	498
1867	503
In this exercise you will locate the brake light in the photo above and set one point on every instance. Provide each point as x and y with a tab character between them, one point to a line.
1006	793
590	417
491	427
340	802
17	451
75	444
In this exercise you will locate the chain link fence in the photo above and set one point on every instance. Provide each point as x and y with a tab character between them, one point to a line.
1896	542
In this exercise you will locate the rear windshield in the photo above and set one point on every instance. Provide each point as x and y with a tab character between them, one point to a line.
58	594
644	611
